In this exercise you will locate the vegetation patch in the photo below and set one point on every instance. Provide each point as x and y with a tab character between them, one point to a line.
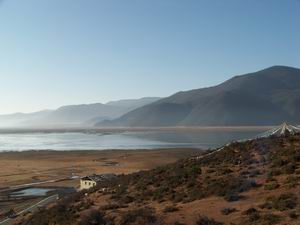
283	202
227	211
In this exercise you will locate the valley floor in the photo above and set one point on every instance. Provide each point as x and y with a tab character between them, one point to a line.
19	168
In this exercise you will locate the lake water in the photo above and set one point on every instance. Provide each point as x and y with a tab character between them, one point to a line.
31	192
40	191
121	140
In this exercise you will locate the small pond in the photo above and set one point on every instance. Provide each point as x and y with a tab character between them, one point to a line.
31	192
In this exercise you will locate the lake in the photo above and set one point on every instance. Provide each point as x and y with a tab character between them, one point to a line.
151	139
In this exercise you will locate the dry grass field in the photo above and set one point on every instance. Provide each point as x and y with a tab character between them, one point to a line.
19	168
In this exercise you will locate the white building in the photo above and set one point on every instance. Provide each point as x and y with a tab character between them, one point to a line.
88	182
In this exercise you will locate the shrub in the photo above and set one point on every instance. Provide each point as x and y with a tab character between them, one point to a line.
289	168
178	223
171	208
250	211
284	201
271	185
297	156
274	172
293	215
59	214
292	181
278	162
139	216
203	220
232	197
270	219
253	214
227	211
93	218
111	207
254	173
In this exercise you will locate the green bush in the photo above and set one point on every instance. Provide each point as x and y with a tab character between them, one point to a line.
271	185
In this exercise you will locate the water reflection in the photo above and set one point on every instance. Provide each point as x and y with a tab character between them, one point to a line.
121	140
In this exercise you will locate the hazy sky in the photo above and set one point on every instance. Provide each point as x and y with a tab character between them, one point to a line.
58	52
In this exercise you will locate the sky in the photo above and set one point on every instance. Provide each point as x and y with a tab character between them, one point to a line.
61	52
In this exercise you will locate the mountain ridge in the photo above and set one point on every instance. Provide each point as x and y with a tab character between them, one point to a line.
266	97
72	115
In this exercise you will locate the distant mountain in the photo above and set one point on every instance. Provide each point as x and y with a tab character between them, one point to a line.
266	97
133	103
74	115
17	119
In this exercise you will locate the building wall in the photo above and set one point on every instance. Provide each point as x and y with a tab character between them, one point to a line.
87	184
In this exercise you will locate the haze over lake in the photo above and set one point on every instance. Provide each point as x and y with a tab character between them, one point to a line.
204	139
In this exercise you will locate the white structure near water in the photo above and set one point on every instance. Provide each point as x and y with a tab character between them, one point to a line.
88	182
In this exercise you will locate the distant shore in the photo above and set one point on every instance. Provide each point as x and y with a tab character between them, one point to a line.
132	129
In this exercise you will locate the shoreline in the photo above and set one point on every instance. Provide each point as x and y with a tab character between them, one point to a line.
120	150
96	130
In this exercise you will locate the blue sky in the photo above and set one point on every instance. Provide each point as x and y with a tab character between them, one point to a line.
59	52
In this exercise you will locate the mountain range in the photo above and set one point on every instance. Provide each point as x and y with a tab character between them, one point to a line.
266	97
74	115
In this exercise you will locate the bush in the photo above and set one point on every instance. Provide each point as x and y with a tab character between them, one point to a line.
203	220
293	215
111	207
178	223
253	214
271	185
93	218
289	168
254	173
139	216
227	211
292	181
232	197
284	201
59	214
297	156
270	219
274	172
169	209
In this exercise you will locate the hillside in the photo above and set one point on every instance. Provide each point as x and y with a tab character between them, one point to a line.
266	97
251	183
